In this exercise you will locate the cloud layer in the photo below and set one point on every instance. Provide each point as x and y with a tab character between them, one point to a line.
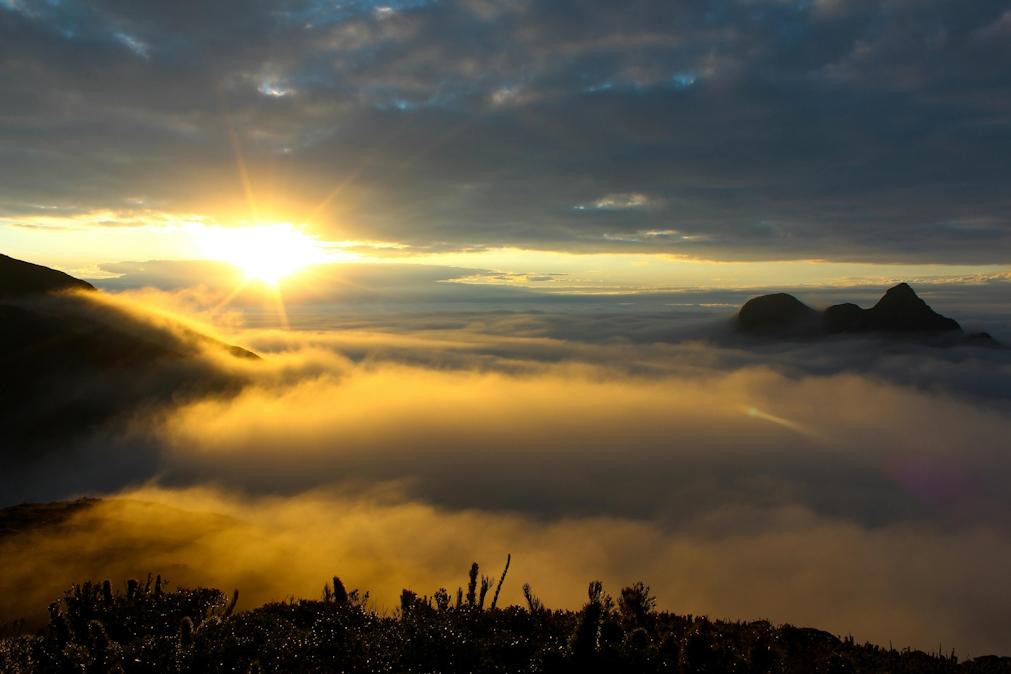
846	485
909	585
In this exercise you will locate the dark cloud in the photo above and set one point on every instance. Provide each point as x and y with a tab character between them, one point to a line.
763	130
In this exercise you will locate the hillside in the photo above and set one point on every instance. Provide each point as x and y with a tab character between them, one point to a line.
71	362
19	279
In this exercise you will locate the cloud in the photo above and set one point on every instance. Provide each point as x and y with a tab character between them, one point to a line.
86	364
581	303
618	202
520	437
782	565
841	485
739	481
849	131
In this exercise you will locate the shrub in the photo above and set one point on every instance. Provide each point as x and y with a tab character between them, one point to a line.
153	628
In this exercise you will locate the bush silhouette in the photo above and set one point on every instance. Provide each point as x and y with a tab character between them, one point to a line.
152	628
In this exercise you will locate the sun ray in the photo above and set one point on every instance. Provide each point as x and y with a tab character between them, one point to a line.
350	179
800	429
282	312
404	164
236	291
240	165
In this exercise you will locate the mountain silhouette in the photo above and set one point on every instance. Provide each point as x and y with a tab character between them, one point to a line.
19	278
70	361
773	313
900	312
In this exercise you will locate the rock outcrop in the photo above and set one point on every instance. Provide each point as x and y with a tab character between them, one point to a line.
900	312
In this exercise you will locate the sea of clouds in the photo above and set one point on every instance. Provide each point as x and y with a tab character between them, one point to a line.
854	485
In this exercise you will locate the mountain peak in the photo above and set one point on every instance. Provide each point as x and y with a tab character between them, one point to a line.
19	278
773	312
901	293
900	310
901	290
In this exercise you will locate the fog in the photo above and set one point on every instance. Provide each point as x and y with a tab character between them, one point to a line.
851	485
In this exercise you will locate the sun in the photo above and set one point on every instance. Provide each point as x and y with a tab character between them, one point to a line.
266	253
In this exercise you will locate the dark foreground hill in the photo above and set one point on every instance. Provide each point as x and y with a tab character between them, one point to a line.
900	313
70	361
19	278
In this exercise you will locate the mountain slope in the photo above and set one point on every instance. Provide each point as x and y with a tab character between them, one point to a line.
772	312
19	278
69	361
902	310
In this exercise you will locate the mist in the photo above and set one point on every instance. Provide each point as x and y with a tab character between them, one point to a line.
297	289
831	485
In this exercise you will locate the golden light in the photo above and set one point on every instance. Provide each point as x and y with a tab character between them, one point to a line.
266	253
800	429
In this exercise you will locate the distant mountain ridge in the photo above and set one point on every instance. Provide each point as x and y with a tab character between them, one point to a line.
900	312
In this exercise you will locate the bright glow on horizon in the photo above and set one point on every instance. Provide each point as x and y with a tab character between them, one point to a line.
80	244
266	253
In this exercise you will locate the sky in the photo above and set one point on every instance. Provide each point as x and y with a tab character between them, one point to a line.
634	145
489	253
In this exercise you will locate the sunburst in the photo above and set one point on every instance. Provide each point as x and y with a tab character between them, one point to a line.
267	253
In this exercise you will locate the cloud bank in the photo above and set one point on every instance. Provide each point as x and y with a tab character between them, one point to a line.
843	485
904	584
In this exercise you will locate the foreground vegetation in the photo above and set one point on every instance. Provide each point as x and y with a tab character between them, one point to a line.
94	628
